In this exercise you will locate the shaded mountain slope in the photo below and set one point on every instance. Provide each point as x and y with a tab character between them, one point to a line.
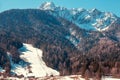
66	47
35	27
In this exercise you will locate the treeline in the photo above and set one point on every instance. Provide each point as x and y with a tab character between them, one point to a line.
102	60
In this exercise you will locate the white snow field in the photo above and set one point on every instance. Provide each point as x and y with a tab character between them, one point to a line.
37	67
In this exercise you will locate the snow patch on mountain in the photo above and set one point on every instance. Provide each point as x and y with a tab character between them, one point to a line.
35	67
73	37
87	19
2	70
47	6
73	40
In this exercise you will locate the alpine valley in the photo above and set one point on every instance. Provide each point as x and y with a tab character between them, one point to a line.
55	41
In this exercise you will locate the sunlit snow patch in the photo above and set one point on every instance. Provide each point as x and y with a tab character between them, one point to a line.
37	66
2	70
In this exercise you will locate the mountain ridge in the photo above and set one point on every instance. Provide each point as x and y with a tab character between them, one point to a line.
87	19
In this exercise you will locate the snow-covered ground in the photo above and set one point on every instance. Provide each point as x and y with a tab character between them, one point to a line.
71	77
36	67
109	78
74	77
78	77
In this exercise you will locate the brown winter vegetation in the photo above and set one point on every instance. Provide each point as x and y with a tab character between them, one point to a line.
95	56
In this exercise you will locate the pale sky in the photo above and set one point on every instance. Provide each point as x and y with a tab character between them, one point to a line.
103	5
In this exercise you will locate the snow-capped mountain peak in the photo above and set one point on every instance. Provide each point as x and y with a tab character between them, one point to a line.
94	10
48	6
92	19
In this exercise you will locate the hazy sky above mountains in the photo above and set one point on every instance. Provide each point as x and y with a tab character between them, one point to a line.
103	5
